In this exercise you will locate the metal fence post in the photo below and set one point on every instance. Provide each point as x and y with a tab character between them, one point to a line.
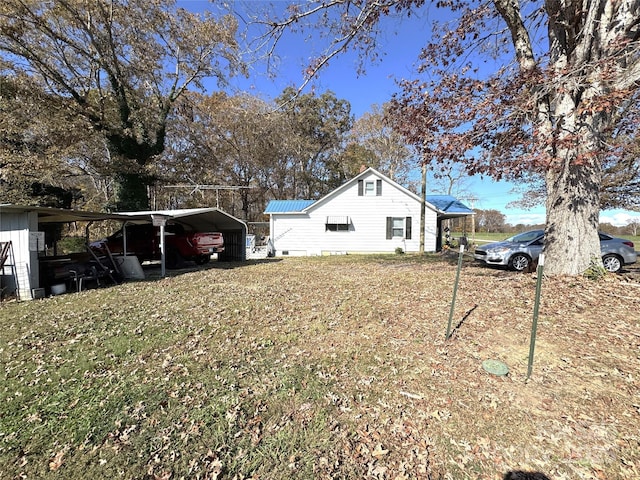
455	291
534	325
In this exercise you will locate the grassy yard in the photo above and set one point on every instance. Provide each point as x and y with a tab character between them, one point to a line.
312	368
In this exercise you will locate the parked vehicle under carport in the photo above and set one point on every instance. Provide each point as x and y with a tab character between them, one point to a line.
144	241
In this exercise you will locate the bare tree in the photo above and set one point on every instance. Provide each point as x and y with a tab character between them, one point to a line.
634	226
373	132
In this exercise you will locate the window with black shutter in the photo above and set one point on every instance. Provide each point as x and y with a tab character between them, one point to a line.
369	188
395	227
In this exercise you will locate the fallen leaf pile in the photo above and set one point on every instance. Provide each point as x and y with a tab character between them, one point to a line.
328	367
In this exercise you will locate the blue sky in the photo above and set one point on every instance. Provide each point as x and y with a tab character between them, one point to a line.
400	43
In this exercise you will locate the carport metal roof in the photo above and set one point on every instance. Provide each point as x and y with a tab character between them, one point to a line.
60	215
198	218
202	219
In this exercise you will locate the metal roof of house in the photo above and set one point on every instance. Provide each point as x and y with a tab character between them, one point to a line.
450	206
287	206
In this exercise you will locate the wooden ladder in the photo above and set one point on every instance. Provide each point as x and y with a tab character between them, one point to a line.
5	251
5	248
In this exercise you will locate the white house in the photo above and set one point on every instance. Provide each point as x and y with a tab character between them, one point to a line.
368	214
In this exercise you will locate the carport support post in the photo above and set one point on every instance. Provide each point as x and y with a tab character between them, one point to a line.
124	239
161	221
162	252
455	291
534	325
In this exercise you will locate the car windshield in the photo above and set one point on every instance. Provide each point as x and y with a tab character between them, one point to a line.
525	236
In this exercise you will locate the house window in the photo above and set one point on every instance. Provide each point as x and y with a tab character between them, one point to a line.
337	224
370	188
399	227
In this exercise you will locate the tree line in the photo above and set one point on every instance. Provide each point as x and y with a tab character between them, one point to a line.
235	152
494	221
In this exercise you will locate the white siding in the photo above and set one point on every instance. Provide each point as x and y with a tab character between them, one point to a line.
306	234
21	268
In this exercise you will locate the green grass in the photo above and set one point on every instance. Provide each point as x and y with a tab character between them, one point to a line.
327	367
140	378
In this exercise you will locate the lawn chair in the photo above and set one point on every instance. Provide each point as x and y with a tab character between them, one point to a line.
98	269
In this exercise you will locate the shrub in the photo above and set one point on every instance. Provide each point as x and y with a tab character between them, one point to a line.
71	245
596	270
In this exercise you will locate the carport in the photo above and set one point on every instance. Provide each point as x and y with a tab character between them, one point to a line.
24	236
233	230
24	227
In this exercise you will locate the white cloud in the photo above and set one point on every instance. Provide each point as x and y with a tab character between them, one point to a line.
619	219
526	218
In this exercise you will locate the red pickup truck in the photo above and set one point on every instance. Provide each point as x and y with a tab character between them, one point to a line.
144	242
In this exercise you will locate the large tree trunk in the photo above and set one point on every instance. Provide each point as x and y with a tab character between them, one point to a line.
569	135
131	157
573	207
573	181
131	193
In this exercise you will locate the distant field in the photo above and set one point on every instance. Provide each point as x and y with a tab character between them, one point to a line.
484	237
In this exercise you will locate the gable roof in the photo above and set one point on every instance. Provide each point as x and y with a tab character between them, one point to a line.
445	205
358	177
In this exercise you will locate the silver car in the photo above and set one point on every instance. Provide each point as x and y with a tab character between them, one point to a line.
519	251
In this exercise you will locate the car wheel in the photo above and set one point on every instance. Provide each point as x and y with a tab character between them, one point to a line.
172	258
202	259
612	263
519	262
